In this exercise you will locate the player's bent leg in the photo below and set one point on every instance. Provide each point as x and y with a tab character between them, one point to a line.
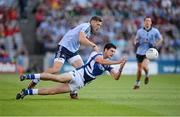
139	71
58	63
146	70
76	62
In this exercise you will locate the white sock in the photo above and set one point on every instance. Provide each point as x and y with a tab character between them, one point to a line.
138	83
37	76
35	91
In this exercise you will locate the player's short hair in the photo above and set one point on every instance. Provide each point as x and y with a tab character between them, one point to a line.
147	17
109	45
96	18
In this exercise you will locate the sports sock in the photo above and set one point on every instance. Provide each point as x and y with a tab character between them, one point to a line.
30	76
37	76
138	82
33	76
147	74
31	91
36	81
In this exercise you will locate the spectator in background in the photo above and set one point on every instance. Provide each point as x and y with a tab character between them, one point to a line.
23	8
4	57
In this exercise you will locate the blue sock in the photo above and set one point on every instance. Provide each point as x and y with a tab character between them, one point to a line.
30	76
147	74
28	92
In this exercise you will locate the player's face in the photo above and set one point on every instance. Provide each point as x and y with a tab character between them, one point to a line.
147	23
110	52
96	25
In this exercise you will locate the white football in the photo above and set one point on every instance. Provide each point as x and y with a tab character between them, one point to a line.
152	53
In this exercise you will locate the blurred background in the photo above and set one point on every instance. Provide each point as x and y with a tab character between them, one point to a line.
31	29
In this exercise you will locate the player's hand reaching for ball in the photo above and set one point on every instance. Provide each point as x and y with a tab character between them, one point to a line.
123	60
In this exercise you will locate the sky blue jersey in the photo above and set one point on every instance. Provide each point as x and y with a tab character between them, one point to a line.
71	39
146	38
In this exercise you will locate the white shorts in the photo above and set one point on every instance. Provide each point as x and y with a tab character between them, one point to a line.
77	81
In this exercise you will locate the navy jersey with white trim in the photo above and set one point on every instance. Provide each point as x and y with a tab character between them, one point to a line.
93	68
71	39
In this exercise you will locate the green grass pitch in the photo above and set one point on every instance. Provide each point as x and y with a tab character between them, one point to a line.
103	97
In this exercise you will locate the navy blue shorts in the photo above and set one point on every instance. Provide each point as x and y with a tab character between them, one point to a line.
63	54
140	58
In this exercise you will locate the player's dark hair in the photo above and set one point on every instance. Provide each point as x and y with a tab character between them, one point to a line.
147	17
109	45
96	18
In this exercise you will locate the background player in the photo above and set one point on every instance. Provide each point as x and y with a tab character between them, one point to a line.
146	38
78	78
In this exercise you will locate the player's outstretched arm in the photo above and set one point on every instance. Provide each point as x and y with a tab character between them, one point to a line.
117	75
103	61
85	41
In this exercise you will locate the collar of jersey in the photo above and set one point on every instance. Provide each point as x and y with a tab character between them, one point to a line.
148	29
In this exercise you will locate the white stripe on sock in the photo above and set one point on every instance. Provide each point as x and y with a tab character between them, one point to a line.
35	91
37	76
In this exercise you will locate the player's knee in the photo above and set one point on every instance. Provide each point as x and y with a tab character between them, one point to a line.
139	69
145	68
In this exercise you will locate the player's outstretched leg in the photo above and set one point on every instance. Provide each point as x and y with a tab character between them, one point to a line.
138	79
25	92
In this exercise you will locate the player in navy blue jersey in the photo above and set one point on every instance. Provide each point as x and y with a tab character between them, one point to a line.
76	79
68	47
146	38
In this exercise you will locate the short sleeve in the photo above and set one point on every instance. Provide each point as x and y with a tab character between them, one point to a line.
85	28
108	68
137	34
157	35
